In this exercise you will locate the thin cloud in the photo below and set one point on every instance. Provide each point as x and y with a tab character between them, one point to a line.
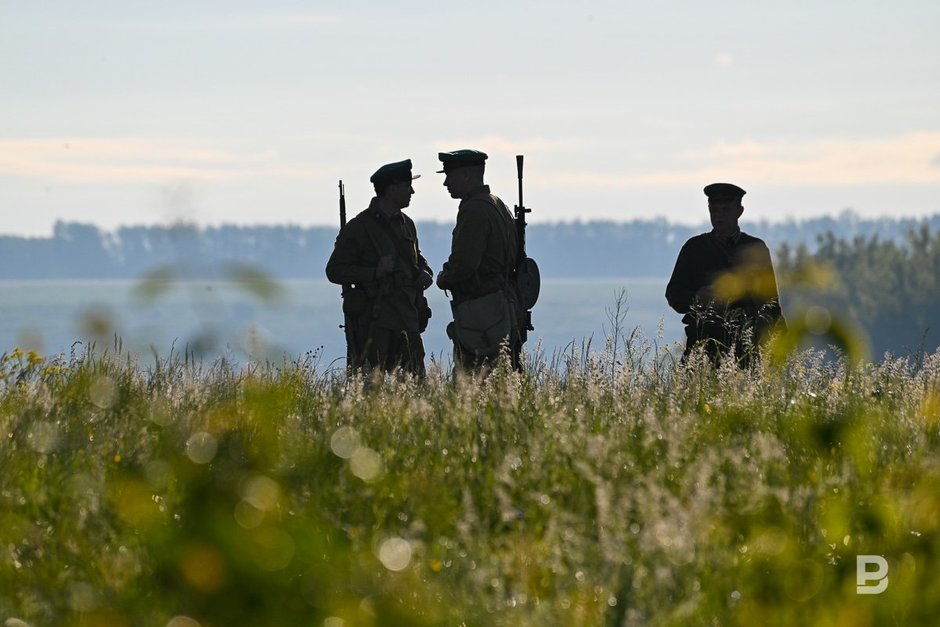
905	160
728	150
108	160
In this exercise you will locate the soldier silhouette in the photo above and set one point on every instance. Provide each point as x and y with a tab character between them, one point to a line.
723	283
478	273
378	256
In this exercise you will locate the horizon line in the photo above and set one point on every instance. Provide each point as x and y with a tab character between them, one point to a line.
845	214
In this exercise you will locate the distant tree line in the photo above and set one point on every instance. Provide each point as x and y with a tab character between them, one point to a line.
891	288
640	248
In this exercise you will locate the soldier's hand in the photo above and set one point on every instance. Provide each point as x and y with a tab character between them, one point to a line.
386	266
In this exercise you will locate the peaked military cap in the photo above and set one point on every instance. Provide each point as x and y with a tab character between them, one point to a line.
390	172
722	192
460	159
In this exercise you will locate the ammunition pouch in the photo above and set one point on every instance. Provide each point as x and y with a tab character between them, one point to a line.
482	324
424	312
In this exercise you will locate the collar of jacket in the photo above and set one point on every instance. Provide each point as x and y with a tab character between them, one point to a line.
377	212
731	240
482	190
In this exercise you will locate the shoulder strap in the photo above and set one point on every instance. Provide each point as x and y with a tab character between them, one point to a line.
506	218
369	218
394	239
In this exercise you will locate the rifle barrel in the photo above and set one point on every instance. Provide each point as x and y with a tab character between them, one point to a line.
519	159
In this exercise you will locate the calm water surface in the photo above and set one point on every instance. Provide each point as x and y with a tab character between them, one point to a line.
225	317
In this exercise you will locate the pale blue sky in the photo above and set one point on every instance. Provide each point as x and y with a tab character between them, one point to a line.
248	112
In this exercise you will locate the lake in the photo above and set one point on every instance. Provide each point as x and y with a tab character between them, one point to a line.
225	317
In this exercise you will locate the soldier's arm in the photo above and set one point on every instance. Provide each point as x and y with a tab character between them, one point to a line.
770	276
771	305
344	266
681	292
467	248
425	274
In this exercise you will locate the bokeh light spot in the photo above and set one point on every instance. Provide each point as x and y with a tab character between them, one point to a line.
247	515
395	554
272	549
345	442
818	320
366	464
201	447
103	392
204	567
43	437
262	493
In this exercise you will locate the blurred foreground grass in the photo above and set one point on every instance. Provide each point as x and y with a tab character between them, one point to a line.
605	492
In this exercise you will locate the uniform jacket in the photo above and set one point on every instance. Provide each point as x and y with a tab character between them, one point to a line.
392	299
483	248
704	259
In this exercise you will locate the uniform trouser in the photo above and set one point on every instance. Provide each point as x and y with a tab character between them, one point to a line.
718	339
390	349
469	361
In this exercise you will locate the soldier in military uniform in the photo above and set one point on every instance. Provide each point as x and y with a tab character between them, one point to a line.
723	283
481	263
377	255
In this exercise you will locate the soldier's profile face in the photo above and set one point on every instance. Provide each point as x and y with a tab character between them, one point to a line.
400	193
456	182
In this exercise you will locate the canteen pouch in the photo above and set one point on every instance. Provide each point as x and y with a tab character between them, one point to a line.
357	303
482	324
528	282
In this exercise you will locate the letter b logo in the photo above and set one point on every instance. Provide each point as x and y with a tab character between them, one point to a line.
863	576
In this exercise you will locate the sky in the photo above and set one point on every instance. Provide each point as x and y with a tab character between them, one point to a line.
117	113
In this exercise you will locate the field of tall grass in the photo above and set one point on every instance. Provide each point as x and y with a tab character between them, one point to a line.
623	488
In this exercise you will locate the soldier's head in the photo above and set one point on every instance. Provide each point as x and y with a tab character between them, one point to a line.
392	183
724	206
463	170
